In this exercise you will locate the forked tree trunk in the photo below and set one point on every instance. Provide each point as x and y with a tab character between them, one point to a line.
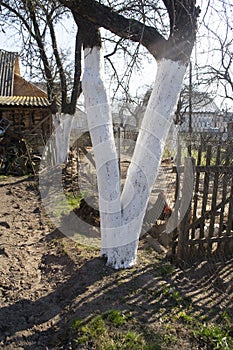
122	215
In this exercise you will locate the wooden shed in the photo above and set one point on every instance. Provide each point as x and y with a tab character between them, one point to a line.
24	107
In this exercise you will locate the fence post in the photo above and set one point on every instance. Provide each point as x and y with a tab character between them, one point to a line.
182	255
177	203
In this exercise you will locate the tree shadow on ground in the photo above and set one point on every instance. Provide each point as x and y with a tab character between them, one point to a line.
14	180
84	287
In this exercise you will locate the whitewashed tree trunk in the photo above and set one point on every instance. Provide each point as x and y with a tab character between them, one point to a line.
62	124
101	132
122	216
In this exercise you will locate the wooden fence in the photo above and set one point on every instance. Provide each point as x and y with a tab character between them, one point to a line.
204	203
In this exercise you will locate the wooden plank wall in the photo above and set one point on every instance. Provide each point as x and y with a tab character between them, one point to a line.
34	125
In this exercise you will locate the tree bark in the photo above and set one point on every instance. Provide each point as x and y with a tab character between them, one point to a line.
103	16
183	25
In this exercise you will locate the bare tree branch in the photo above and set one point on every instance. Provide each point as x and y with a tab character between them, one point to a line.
103	16
177	47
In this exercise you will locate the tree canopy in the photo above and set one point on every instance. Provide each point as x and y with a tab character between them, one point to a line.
182	25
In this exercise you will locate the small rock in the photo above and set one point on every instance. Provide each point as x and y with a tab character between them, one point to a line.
4	224
3	252
9	192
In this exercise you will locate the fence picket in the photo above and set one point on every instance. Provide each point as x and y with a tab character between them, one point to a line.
185	212
212	206
205	198
196	190
214	198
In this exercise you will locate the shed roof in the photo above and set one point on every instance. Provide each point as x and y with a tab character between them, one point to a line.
23	101
7	69
15	91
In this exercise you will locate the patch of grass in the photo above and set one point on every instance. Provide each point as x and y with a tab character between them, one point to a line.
227	319
215	335
113	330
87	331
4	177
74	201
173	296
116	318
184	316
65	204
170	338
167	269
167	153
203	158
89	248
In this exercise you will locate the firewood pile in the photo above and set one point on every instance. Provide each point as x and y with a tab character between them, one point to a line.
16	157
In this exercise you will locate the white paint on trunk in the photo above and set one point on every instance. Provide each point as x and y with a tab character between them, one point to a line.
62	124
148	151
152	136
121	218
101	132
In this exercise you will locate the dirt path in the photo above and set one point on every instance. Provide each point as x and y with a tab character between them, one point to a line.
22	246
36	284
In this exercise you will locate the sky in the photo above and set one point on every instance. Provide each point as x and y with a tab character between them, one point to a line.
143	79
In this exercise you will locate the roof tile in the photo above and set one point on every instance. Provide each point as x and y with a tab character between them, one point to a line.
24	101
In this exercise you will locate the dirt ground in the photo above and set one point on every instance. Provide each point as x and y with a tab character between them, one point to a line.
48	280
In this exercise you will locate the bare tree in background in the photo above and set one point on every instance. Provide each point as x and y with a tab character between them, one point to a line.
217	73
37	22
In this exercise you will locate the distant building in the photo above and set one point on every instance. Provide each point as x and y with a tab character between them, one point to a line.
205	116
24	107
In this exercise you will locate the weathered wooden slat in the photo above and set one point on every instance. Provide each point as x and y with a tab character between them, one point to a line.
210	239
185	211
196	190
209	212
205	190
224	190
177	202
230	211
214	196
221	169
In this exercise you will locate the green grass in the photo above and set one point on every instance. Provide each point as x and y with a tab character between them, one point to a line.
116	318
73	201
217	336
179	310
3	177
67	203
167	269
113	330
194	154
167	153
